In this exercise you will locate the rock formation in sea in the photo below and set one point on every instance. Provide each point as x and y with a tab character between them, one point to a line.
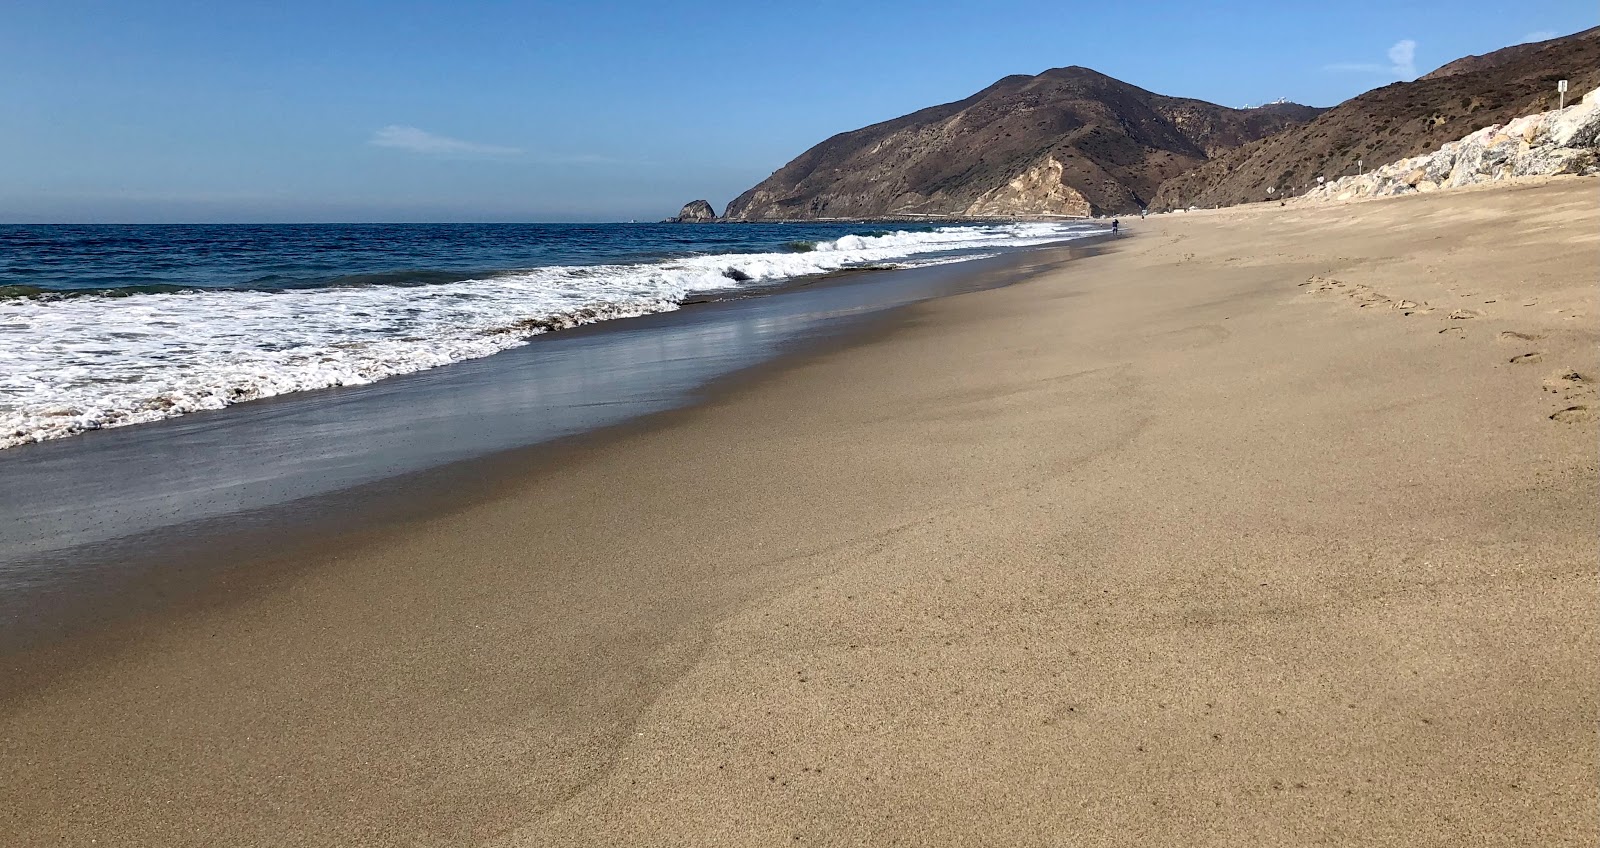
1067	142
1393	122
695	212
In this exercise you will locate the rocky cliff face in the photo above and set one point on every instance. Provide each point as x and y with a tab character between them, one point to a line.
695	212
1392	123
1561	141
1039	191
1068	142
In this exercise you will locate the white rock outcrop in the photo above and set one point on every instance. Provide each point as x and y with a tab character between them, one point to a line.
1561	141
1040	190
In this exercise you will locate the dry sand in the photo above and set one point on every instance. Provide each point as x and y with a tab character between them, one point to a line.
1267	527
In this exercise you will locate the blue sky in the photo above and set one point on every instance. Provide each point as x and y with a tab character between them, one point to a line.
490	111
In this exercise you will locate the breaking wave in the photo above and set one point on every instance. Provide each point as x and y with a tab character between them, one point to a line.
85	360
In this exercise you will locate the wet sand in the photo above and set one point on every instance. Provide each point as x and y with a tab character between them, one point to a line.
128	520
1268	526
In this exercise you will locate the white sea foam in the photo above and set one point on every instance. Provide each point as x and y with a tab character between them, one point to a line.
73	364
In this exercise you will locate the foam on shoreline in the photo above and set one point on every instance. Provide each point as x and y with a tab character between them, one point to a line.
80	363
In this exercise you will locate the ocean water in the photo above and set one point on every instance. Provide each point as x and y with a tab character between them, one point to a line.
105	326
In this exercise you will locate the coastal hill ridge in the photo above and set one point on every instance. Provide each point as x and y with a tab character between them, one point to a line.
1068	142
1394	122
1073	142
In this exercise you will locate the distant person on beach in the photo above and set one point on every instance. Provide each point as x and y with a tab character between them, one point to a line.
1115	225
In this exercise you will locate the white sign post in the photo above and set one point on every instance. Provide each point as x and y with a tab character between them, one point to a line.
1561	88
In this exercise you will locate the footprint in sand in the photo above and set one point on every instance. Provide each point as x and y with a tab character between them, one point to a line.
1464	314
1365	295
1576	390
1566	380
1512	337
1456	330
1527	358
1571	386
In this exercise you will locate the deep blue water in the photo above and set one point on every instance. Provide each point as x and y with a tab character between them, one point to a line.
59	258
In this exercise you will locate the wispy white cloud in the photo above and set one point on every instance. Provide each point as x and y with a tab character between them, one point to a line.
1539	35
421	141
411	139
1403	56
578	159
1357	67
1402	62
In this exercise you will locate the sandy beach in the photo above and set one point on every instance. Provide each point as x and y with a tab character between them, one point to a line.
1265	526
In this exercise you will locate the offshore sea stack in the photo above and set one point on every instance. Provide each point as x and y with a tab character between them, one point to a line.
1067	142
1396	122
1561	141
694	212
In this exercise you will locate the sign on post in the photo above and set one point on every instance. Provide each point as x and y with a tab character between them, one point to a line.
1561	88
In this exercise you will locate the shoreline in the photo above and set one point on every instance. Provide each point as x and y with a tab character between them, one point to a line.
702	298
159	563
100	362
1179	542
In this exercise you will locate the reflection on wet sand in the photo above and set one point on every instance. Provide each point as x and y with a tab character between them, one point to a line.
88	515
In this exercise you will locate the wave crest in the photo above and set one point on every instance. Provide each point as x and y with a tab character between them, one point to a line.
107	359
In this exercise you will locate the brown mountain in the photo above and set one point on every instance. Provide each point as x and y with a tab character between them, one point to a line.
1503	55
1069	141
1394	122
